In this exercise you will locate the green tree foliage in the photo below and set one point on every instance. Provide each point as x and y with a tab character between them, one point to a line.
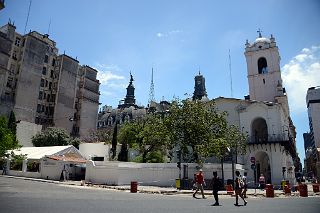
147	135
199	126
54	137
7	138
12	124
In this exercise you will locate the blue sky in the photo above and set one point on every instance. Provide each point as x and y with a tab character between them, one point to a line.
177	38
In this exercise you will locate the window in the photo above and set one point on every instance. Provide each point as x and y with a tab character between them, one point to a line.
50	85
262	65
39	108
46	59
40	95
51	74
53	62
17	43
14	55
48	97
45	95
46	83
53	97
42	83
44	71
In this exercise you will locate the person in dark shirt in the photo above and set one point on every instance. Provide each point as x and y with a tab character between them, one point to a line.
216	184
238	189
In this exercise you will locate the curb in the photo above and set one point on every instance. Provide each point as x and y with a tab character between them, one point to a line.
156	190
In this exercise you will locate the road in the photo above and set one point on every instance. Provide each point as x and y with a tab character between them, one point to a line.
17	195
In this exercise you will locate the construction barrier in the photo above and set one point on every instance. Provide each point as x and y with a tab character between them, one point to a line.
134	187
269	190
303	189
229	189
315	188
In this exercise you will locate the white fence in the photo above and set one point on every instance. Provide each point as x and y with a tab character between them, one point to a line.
153	174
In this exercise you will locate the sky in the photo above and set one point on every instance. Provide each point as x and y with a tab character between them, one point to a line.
177	38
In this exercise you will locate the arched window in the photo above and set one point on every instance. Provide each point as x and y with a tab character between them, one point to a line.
259	130
262	65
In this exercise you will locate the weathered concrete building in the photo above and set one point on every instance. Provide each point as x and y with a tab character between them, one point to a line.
313	105
44	88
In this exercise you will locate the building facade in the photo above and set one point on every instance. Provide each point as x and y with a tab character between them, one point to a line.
313	105
44	88
264	115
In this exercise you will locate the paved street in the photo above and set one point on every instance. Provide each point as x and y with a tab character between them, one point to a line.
17	195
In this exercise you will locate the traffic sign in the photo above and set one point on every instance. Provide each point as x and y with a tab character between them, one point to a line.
253	166
253	160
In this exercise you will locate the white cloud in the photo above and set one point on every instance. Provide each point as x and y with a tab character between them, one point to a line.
159	35
302	72
106	74
169	33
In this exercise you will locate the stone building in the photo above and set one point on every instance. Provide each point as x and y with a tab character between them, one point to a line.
263	114
313	147
127	110
44	88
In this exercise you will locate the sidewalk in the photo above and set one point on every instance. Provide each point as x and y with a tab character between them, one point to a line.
162	190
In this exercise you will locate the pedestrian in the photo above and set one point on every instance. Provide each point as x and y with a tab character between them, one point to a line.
216	185
238	189
262	182
194	182
4	168
245	185
200	183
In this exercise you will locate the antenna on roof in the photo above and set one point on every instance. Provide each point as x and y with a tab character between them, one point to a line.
49	26
231	90
25	27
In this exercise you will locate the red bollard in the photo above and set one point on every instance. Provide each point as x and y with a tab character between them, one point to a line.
134	187
303	189
287	190
315	187
229	189
269	190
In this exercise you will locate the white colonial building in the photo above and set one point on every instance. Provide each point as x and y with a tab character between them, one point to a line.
264	115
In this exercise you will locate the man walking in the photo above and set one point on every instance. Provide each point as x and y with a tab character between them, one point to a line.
238	189
200	182
245	185
216	184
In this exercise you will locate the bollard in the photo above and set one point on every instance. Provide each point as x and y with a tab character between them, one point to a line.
269	190
303	189
229	189
287	189
134	187
315	187
178	183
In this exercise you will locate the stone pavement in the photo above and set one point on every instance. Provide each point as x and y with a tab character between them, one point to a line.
162	190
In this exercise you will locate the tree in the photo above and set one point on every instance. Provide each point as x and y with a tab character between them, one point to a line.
12	124
7	139
53	137
199	126
147	135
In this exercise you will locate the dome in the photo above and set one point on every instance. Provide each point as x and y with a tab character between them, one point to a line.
262	40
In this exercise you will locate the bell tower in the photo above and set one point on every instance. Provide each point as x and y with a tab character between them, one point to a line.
263	65
264	75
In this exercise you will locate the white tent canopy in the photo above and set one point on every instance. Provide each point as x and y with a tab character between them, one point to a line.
36	153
